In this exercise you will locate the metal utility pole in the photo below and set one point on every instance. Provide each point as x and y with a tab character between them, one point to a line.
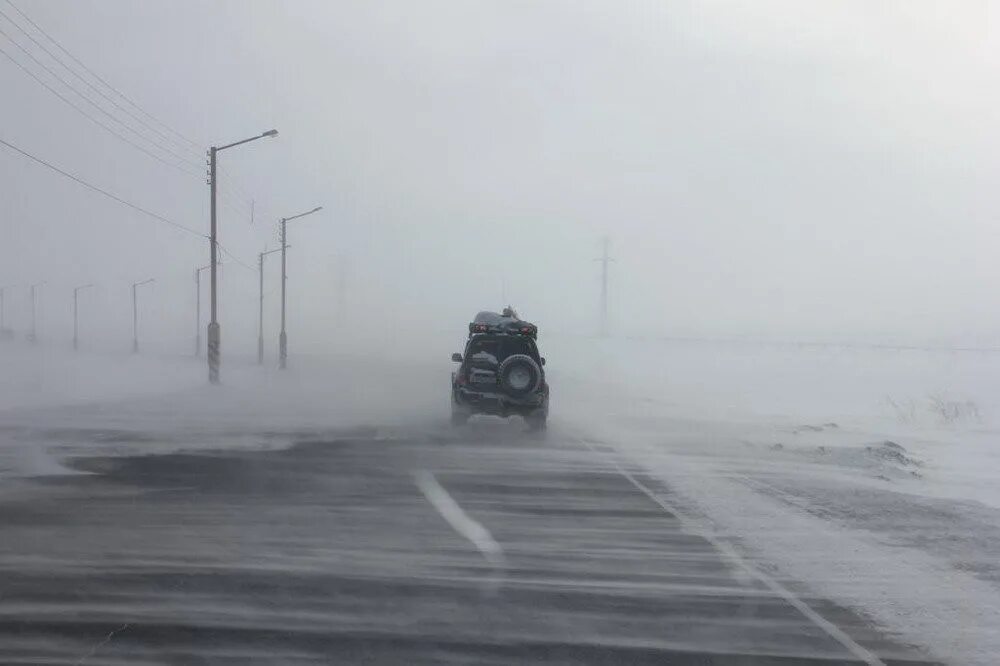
283	337
76	326
5	333
197	315
214	332
342	290
135	315
605	260
260	318
33	333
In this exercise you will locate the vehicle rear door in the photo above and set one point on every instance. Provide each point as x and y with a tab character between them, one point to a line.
482	362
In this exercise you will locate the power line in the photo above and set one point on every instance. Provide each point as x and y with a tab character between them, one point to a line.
102	80
233	257
230	180
93	103
95	120
240	191
95	188
100	92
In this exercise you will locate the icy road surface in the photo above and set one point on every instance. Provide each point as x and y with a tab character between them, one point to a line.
396	545
324	516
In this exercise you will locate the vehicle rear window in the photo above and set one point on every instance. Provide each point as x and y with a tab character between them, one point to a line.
496	349
519	345
484	349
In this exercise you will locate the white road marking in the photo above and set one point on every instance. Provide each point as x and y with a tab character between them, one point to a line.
107	639
459	520
831	629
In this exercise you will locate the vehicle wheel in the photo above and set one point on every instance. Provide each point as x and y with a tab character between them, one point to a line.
519	374
538	420
459	416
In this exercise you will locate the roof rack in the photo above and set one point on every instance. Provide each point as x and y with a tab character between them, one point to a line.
502	324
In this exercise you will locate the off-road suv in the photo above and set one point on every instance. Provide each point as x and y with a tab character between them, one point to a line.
501	372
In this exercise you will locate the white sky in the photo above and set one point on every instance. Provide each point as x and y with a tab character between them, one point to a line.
780	169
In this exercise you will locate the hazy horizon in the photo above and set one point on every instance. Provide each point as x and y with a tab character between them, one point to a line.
773	171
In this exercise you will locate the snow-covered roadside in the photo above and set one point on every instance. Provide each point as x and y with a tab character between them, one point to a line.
43	376
865	476
55	405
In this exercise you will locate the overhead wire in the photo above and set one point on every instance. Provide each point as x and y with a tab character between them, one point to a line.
234	257
97	76
94	120
165	148
133	206
239	199
234	201
234	184
90	85
94	104
95	188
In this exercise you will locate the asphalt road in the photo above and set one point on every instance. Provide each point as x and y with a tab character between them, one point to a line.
479	545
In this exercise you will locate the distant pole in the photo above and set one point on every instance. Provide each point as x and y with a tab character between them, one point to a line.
283	336
214	333
260	316
604	290
33	333
135	315
76	327
135	323
5	333
214	336
197	314
260	311
342	290
605	260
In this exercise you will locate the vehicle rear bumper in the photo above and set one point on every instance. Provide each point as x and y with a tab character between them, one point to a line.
499	404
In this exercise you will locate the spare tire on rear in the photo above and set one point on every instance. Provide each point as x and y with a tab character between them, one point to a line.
519	374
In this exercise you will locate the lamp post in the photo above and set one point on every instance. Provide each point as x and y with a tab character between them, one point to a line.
197	312
33	333
260	317
214	334
135	315
283	337
5	333
76	327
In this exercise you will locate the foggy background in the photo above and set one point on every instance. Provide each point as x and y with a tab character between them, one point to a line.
778	171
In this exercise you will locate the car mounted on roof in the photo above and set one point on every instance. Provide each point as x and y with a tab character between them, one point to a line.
501	371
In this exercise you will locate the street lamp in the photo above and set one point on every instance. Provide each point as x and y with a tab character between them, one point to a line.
5	332
197	315
283	338
214	335
135	315
260	318
33	333
76	328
